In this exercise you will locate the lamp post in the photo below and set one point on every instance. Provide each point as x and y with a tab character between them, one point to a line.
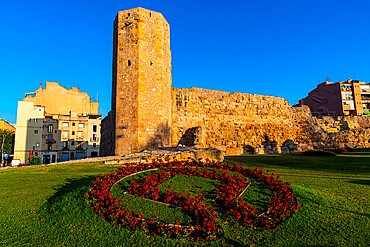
2	147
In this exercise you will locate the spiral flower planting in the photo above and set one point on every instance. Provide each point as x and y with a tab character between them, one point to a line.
280	207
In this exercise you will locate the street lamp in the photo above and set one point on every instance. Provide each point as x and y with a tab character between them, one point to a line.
2	147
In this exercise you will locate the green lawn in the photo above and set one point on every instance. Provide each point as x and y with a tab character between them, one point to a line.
44	205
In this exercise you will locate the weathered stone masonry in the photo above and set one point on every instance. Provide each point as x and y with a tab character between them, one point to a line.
147	112
141	84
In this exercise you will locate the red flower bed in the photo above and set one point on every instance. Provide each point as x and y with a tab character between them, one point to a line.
281	206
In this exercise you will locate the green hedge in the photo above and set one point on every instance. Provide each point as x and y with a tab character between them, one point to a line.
318	153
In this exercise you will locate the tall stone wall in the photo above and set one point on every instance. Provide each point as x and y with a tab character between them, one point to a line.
107	141
240	123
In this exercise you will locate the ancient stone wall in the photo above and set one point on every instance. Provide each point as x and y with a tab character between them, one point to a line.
107	141
239	123
147	112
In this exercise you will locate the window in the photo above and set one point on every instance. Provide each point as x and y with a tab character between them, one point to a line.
81	125
73	124
95	128
65	124
79	134
94	145
65	135
36	131
35	120
72	143
129	62
49	147
50	128
95	137
37	144
50	138
73	133
65	145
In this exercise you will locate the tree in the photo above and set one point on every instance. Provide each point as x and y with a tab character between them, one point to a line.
8	141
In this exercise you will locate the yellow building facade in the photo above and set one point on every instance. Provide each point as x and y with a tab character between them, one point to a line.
28	134
67	128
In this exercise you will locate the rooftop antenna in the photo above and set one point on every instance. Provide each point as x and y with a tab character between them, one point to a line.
346	75
354	76
97	97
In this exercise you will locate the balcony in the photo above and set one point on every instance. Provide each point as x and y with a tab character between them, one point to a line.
94	139
365	97
51	141
347	98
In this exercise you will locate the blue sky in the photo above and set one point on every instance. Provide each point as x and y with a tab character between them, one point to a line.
271	47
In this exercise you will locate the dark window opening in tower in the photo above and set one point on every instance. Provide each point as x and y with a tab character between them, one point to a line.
128	14
129	62
151	63
150	14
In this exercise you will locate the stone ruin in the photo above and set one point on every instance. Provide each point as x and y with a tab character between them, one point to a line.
147	112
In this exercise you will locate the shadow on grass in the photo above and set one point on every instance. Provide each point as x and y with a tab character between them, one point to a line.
67	205
69	216
336	164
363	182
349	211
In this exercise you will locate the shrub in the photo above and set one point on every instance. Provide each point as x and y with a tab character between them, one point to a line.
318	153
339	150
34	160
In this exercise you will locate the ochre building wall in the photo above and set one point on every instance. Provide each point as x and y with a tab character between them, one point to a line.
59	100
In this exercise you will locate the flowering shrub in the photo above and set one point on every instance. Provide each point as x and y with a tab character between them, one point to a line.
281	206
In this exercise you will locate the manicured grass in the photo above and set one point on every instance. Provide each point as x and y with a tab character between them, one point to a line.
44	205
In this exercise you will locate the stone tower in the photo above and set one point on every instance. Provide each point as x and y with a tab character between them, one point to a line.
141	81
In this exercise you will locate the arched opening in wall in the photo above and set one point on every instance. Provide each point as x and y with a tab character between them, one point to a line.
128	14
150	14
129	62
151	63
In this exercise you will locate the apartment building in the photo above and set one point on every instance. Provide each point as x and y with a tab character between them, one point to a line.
80	136
28	133
67	127
344	98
